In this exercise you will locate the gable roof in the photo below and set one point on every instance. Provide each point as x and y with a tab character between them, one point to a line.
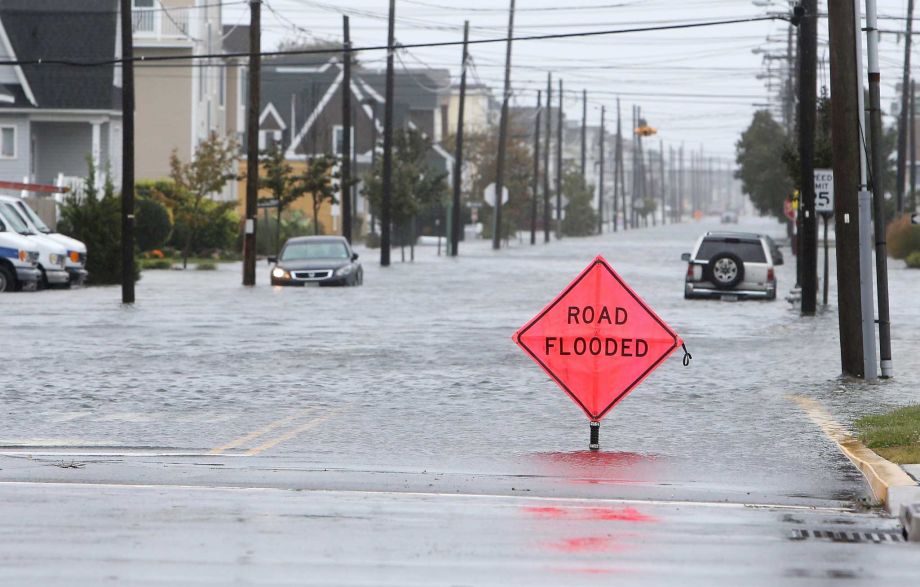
81	30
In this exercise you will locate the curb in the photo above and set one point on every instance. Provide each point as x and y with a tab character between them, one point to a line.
890	484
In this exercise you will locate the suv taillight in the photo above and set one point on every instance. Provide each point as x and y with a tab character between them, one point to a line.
770	275
690	271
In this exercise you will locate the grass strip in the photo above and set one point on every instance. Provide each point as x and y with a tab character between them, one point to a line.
894	435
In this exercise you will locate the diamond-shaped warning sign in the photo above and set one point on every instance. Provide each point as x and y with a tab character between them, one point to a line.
598	339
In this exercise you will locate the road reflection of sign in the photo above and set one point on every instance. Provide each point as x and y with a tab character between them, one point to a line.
824	191
598	339
488	195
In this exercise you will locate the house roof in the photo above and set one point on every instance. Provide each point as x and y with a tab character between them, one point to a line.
78	30
236	38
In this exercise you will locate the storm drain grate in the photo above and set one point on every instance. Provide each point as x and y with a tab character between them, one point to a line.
838	536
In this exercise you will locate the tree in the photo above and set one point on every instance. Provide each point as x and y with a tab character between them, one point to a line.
416	184
762	170
280	181
95	219
479	150
580	218
318	181
212	166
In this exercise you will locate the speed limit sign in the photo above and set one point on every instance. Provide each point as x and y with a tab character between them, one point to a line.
824	191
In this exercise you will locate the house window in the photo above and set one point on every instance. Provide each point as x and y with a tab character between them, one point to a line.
338	136
8	142
268	138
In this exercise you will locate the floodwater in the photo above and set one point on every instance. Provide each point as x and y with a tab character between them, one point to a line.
411	385
416	369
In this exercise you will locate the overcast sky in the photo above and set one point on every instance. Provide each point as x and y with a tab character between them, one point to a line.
697	86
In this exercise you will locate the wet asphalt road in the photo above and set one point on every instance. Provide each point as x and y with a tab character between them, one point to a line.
411	384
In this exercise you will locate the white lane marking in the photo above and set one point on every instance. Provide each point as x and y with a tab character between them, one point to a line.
474	496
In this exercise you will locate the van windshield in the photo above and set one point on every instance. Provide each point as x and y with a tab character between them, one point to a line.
14	219
29	213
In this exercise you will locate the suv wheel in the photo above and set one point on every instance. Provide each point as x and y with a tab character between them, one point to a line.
725	270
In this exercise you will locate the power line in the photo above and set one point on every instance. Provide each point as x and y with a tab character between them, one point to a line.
230	55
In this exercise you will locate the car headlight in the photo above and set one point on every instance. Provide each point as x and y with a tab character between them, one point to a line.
31	256
279	273
57	259
345	270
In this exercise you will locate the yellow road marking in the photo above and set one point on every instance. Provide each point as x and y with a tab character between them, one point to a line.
293	433
881	474
257	433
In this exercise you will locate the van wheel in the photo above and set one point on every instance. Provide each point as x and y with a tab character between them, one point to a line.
725	270
7	281
43	281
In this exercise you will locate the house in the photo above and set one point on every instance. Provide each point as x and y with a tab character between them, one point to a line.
54	117
480	109
179	103
301	108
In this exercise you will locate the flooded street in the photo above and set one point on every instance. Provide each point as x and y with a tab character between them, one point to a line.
411	384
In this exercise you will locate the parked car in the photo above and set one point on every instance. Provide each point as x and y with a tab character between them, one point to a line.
52	255
731	263
729	217
321	260
18	261
75	264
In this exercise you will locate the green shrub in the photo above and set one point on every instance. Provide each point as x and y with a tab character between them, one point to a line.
903	238
95	219
218	234
913	260
206	266
156	263
153	224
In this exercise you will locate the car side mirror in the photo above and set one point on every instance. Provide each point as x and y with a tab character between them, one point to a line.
354	256
685	257
272	260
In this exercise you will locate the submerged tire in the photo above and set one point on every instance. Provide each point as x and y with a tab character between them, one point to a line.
7	281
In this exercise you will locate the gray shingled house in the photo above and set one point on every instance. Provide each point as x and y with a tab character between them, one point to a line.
52	117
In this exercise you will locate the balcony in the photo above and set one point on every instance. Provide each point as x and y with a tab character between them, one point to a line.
156	26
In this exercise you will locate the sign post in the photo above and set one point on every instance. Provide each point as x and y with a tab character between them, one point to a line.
824	205
598	340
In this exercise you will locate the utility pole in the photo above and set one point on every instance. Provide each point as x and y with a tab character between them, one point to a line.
902	118
878	199
617	169
502	139
536	171
584	135
912	201
808	239
600	181
547	212
127	154
388	143
559	171
346	131
661	181
252	142
455	221
681	184
845	115
635	170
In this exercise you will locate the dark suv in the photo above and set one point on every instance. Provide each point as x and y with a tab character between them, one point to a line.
732	263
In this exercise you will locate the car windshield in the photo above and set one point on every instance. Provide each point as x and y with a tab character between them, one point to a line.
303	251
750	251
13	218
31	215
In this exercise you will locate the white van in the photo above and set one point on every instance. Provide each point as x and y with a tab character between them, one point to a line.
18	261
76	250
52	256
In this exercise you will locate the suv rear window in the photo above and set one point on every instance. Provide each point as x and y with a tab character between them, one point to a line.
750	251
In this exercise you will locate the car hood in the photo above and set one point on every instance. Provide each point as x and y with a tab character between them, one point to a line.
313	264
72	244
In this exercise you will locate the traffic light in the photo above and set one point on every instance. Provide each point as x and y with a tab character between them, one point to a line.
645	131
